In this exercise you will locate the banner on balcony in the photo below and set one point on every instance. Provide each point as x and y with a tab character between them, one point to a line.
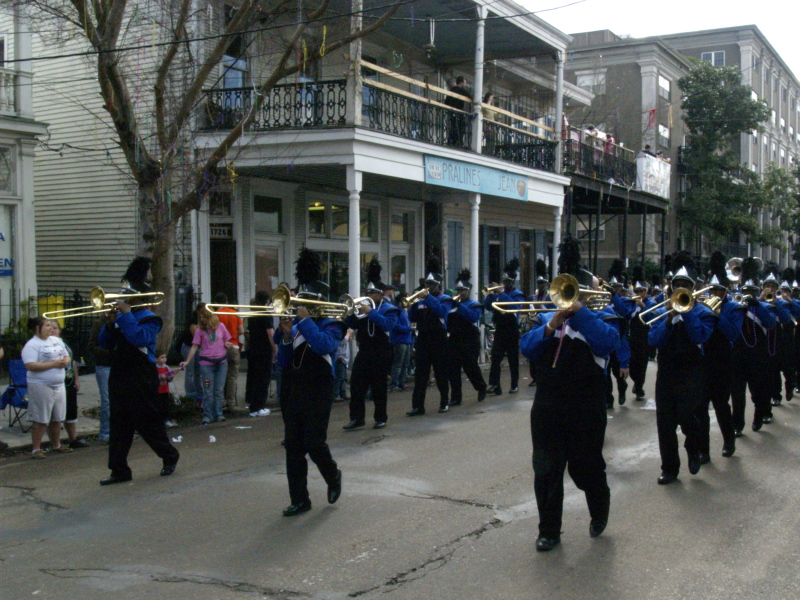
474	178
652	175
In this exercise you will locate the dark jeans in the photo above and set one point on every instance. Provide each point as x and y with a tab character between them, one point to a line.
430	352
506	343
339	380
306	410
370	371
259	374
679	394
568	436
464	356
400	362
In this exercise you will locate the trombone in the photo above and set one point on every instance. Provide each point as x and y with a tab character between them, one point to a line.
354	305
564	292
284	306
100	302
681	300
492	288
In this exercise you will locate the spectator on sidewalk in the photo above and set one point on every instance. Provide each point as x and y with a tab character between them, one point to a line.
261	353
235	327
102	369
46	359
340	369
165	376
401	343
72	385
191	381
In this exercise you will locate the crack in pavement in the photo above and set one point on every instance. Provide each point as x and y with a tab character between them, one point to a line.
124	575
442	555
29	495
457	501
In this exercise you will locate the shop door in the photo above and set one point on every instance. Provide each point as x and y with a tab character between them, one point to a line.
223	269
268	268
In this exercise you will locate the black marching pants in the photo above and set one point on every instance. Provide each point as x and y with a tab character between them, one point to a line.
784	362
259	374
370	371
750	370
506	343
464	355
640	354
613	373
430	350
568	435
717	394
142	417
306	410
679	393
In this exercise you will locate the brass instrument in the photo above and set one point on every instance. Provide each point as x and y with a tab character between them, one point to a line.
414	298
564	292
769	297
681	300
734	269
491	289
284	306
100	302
713	302
355	304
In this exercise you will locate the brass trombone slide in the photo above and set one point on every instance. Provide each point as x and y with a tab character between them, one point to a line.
492	288
564	292
681	300
283	305
100	302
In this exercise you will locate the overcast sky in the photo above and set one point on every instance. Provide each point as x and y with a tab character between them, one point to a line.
777	19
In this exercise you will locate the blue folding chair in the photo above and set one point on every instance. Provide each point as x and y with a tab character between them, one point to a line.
16	395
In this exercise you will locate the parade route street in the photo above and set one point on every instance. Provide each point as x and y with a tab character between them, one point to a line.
433	507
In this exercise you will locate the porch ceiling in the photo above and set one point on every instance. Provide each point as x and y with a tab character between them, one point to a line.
455	39
586	193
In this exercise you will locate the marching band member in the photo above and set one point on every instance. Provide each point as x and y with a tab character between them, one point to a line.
464	340
751	362
679	339
637	334
374	358
718	362
306	352
788	314
571	349
430	314
540	295
506	331
623	307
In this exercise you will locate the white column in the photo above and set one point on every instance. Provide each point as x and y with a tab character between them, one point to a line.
474	241
559	124
23	50
354	80
195	252
556	236
204	250
354	179
477	122
25	235
649	73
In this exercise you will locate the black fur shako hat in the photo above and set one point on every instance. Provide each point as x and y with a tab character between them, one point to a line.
309	274
717	272
464	282
374	283
770	274
683	269
616	274
637	275
511	269
749	277
569	261
434	268
137	278
787	277
541	271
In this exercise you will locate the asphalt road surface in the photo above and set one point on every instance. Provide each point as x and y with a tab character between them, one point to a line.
434	507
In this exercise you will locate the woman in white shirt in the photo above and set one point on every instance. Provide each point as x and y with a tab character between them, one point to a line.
46	358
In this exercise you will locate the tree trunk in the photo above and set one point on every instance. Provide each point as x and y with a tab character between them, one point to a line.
157	230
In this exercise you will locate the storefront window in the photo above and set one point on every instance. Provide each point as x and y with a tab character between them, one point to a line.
340	218
267	269
398	275
7	174
316	219
367	223
400	230
268	214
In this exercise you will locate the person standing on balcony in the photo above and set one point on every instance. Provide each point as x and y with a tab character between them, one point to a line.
489	116
457	135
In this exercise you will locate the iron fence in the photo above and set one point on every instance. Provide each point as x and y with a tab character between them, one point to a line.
596	163
519	147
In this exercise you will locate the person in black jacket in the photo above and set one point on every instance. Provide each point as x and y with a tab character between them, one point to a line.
506	330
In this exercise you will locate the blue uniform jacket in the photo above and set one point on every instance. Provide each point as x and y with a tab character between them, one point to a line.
699	323
439	305
601	336
323	338
401	334
624	308
469	309
385	316
140	335
764	313
783	311
513	296
731	315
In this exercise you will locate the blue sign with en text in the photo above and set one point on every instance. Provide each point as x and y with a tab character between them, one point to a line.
6	267
474	178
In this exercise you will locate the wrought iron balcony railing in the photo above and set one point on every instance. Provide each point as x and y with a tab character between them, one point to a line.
596	163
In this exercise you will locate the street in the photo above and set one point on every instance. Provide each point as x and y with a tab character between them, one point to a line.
433	507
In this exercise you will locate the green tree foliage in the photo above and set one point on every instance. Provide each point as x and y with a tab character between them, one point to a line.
723	197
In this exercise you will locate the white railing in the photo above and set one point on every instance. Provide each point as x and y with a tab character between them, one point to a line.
7	91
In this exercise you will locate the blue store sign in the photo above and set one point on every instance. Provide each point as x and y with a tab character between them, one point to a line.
474	178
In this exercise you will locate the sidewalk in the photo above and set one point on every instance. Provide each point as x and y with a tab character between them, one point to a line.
88	397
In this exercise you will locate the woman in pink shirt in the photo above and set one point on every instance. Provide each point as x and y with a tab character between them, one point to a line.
213	340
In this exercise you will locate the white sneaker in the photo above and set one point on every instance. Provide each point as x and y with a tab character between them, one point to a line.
169	424
255	413
264	412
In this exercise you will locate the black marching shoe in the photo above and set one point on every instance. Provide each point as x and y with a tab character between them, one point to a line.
728	450
444	408
737	433
767	419
498	391
513	390
354	424
481	395
532	384
705	458
667	478
168	470
545	544
297	509
454	403
775	402
379	425
757	424
335	489
621	399
415	412
112	479
694	464
596	527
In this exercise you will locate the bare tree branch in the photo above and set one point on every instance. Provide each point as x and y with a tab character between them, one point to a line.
163	69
